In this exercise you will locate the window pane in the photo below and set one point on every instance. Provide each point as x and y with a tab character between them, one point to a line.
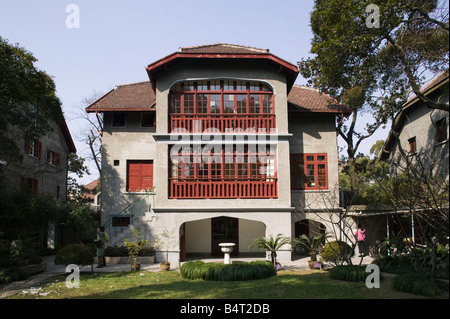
188	103
202	86
241	103
321	158
202	103
215	85
175	103
214	103
310	178
254	103
228	103
321	175
241	86
228	86
267	104
310	158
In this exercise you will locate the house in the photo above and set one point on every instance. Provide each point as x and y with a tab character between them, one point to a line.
43	169
93	195
420	129
418	145
218	146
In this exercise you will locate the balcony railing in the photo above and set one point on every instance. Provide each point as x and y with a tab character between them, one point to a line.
194	189
198	123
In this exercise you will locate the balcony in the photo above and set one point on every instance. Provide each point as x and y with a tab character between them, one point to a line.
194	189
223	123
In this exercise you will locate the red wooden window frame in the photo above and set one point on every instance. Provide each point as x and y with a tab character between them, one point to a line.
230	174
221	104
139	175
33	148
184	97
309	171
53	158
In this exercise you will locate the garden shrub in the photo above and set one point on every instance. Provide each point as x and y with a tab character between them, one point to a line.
335	251
227	272
348	273
419	284
10	275
74	254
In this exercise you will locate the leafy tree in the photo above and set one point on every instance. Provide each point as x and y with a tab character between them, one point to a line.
374	69
371	176
27	99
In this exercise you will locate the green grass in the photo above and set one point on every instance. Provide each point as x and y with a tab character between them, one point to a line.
305	284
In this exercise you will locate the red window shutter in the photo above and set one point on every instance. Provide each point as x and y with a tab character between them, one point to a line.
140	176
27	147
57	159
39	149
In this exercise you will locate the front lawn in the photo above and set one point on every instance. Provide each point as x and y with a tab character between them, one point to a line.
302	284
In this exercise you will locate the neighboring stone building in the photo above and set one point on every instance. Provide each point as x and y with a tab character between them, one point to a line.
417	146
43	169
219	146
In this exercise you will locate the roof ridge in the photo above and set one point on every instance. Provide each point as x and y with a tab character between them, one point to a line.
135	83
260	50
306	87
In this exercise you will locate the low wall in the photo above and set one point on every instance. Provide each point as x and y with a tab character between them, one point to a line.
34	269
124	260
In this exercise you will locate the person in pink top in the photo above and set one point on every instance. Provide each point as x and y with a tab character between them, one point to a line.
360	235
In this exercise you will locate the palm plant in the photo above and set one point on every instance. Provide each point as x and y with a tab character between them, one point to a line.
310	245
271	244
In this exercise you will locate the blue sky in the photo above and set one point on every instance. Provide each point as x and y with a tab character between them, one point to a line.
117	39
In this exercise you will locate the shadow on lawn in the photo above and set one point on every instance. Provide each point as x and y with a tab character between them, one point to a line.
286	285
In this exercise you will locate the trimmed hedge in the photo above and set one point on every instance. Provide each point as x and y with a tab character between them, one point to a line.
74	254
227	272
10	275
349	273
419	284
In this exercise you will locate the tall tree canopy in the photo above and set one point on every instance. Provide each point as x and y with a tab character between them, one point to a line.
371	55
27	99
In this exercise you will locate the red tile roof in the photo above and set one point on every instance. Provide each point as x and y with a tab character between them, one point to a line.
307	99
128	97
222	51
140	97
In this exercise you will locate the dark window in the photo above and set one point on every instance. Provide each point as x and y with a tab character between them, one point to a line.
121	221
148	119
309	171
53	158
412	145
118	119
441	133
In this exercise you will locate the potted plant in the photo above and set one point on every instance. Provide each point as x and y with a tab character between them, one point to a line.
134	248
310	246
164	243
271	244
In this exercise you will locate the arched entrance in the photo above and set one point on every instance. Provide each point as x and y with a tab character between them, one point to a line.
201	238
308	227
